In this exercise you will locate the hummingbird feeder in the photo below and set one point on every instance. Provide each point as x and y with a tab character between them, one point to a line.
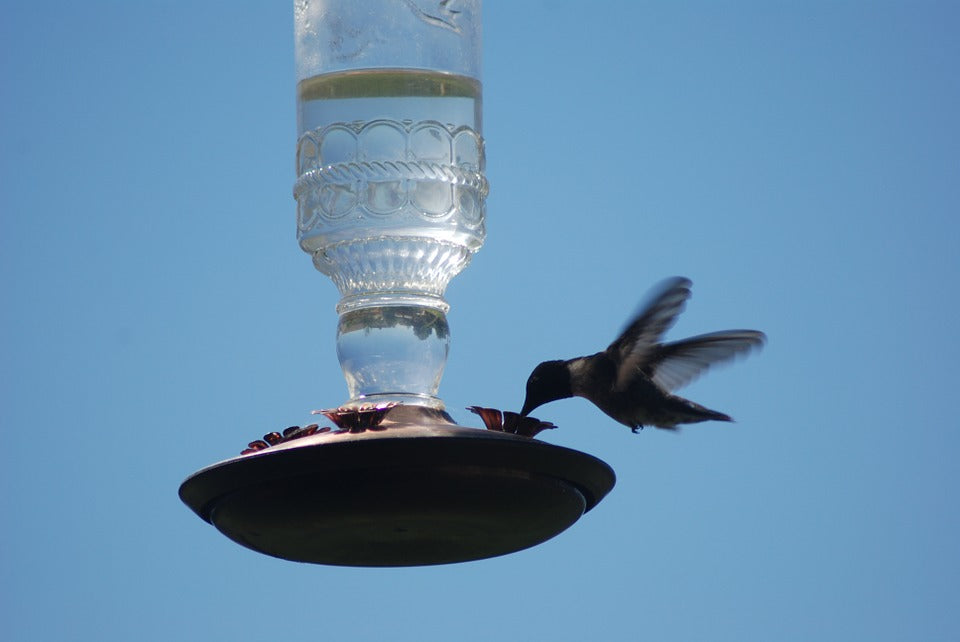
390	195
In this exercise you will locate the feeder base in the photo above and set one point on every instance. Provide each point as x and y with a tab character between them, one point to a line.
411	494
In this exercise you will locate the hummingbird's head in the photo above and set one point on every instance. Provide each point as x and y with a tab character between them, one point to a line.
548	382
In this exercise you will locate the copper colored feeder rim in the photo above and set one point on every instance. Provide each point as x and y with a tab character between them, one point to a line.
375	418
228	474
455	493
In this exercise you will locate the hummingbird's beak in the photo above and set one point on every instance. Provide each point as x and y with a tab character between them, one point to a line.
527	408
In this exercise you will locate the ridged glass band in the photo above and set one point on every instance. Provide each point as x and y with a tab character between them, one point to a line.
407	224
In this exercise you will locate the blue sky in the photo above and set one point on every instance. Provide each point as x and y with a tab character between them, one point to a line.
800	161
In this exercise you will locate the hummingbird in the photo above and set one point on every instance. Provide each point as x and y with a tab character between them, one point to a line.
633	379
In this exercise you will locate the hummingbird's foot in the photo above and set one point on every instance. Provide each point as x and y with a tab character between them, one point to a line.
636	429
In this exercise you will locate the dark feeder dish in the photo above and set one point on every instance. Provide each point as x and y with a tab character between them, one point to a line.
398	486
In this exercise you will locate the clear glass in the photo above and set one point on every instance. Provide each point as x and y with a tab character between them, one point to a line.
390	186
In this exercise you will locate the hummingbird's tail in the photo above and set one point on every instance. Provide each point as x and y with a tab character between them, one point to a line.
713	415
689	412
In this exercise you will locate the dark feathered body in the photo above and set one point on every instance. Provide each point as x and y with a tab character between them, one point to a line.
640	402
631	381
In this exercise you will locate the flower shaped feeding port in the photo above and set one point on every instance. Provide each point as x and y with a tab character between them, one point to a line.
391	206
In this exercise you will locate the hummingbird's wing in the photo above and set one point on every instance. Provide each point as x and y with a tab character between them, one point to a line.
639	340
674	365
